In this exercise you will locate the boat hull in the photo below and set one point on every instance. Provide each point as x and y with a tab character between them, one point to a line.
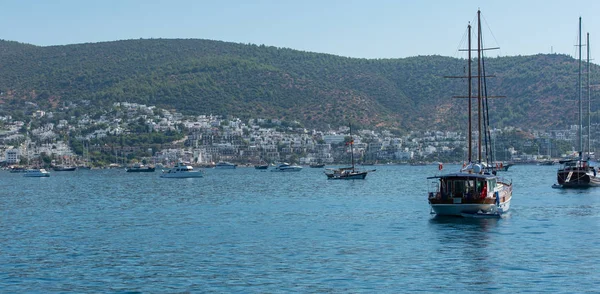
72	168
141	170
182	175
225	165
469	209
36	174
577	179
350	176
289	169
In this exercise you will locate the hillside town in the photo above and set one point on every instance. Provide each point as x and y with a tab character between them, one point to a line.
207	139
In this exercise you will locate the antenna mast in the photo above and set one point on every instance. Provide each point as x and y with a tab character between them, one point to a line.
580	106
479	85
589	147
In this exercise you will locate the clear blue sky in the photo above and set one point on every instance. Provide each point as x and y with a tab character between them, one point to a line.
366	29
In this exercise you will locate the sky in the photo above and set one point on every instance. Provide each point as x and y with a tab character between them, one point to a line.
352	28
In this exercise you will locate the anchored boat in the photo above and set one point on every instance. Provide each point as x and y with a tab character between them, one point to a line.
36	173
475	190
347	173
579	172
286	167
181	170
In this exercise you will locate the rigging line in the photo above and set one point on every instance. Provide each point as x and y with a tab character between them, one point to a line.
489	154
485	120
487	123
491	33
575	50
460	44
483	109
488	136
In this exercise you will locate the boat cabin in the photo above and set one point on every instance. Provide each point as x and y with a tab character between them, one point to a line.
180	167
576	165
465	186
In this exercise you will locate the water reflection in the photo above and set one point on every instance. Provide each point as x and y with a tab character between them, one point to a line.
466	249
483	224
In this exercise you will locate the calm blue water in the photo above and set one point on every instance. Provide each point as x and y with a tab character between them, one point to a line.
262	232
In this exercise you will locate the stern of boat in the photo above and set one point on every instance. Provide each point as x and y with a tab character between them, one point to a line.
460	194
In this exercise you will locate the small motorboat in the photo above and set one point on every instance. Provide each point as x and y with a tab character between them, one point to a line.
181	170
286	167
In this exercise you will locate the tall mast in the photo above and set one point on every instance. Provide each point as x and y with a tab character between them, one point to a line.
470	79
479	84
589	150
351	147
580	106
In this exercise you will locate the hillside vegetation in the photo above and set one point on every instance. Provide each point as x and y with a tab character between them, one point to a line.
211	77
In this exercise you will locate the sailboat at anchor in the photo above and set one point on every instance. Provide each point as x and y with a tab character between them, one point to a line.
579	172
475	190
347	173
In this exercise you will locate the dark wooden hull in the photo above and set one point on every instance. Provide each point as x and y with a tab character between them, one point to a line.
577	178
73	168
141	170
348	176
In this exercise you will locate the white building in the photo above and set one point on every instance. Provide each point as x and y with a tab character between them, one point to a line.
12	156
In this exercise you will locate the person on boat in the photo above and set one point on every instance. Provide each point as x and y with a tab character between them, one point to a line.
484	191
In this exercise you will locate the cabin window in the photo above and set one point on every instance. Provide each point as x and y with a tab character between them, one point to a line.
465	188
458	188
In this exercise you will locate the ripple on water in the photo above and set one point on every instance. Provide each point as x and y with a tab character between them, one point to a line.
248	231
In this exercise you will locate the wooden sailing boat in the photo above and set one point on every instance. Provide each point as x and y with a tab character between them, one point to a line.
475	190
578	172
347	173
262	165
64	166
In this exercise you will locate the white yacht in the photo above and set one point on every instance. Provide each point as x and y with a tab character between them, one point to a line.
225	165
36	173
181	170
286	167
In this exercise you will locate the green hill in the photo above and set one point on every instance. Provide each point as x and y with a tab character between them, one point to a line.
211	77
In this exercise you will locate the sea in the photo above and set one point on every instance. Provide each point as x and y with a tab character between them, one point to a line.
252	231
